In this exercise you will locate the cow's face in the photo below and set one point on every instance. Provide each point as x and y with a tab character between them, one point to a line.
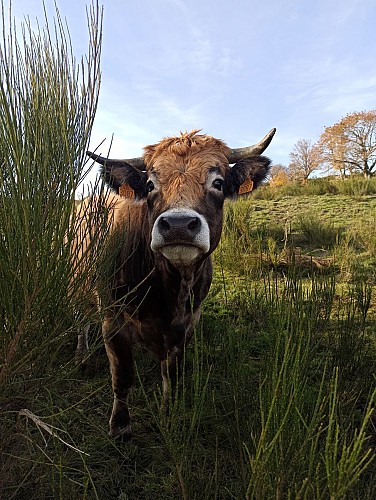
185	201
185	184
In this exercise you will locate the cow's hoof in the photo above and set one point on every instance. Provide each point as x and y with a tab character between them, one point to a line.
122	434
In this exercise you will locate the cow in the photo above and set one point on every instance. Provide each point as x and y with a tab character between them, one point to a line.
166	225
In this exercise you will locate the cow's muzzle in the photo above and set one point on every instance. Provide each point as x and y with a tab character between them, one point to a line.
181	235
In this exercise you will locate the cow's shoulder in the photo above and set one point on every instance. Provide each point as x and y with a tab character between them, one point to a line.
127	213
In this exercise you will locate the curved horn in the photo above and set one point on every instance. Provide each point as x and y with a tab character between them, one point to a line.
135	162
240	153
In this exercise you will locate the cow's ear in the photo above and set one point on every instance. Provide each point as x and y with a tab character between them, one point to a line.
246	175
124	179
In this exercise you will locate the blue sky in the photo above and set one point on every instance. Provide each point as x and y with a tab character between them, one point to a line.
233	68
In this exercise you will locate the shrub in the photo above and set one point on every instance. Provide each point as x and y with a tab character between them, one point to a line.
47	108
357	186
320	186
352	186
317	232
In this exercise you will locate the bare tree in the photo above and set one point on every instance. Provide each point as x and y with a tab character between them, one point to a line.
350	144
305	159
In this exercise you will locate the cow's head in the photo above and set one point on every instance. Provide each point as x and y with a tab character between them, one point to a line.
185	181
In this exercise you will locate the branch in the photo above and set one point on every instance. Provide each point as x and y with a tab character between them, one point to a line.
48	428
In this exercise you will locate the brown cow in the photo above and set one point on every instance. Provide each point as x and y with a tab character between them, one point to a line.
162	268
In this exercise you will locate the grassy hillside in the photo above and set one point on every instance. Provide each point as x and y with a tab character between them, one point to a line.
340	210
328	233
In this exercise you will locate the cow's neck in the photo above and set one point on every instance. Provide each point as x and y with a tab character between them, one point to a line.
184	298
180	284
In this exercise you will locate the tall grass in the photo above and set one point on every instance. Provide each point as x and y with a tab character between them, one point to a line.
47	107
275	400
364	234
357	186
305	447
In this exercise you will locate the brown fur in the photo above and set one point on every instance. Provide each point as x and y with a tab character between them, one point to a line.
182	163
186	145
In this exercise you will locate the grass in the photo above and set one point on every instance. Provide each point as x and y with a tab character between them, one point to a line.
340	210
46	108
276	393
317	233
266	395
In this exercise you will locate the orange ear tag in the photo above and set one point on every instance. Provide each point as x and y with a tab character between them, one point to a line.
246	187
126	191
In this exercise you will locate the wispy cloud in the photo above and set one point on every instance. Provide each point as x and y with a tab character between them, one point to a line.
355	95
330	85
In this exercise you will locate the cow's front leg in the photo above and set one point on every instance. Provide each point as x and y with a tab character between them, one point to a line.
119	346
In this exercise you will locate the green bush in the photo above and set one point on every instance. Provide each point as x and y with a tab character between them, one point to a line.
352	186
47	108
273	193
320	234
320	186
357	186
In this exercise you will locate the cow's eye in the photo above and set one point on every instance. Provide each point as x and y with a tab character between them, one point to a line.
149	186
218	184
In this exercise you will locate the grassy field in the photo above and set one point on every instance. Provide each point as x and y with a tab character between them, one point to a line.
276	394
275	398
339	210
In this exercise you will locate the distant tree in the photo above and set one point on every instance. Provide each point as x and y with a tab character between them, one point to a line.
350	145
305	159
278	175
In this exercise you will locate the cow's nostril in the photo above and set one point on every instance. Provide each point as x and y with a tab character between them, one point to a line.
194	224
164	224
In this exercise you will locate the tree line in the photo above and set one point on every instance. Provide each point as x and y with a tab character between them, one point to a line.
346	148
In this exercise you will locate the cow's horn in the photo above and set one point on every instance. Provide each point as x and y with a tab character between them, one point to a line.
240	153
135	162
